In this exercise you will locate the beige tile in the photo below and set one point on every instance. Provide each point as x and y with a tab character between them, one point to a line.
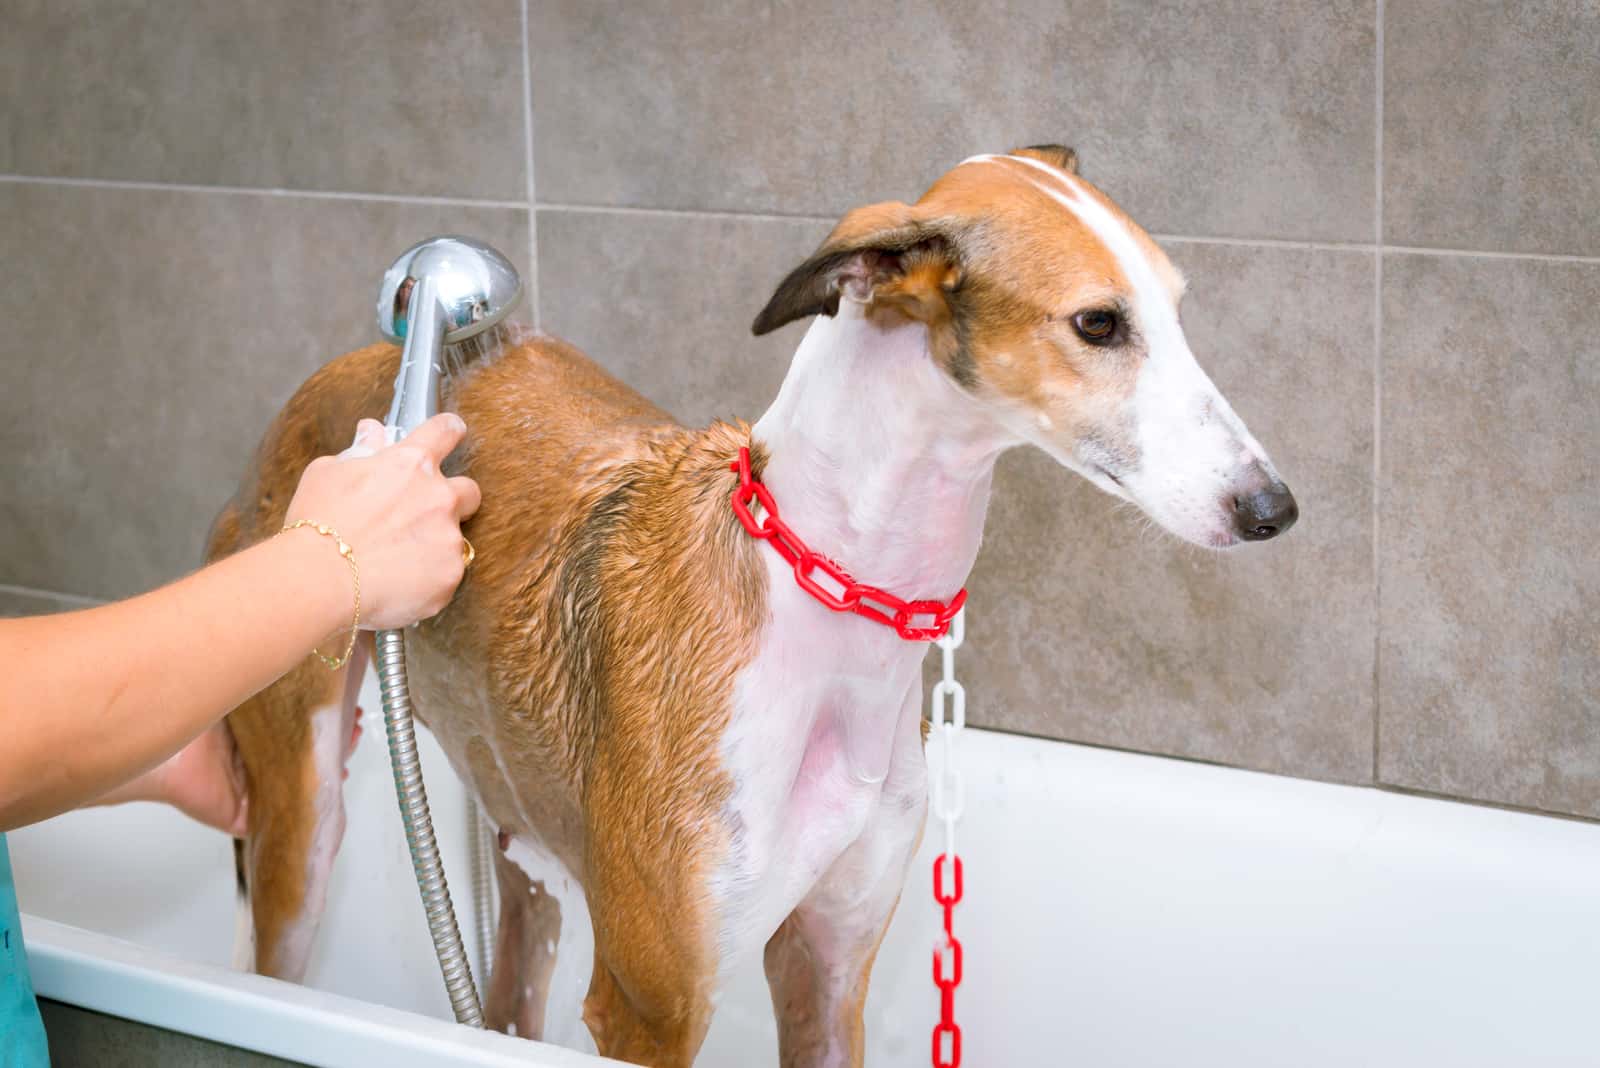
1490	502
1220	119
1088	625
390	96
1490	120
152	336
665	302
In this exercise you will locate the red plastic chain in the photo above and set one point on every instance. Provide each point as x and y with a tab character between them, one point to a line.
866	601
947	1056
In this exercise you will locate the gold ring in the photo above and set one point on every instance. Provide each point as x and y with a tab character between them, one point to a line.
468	553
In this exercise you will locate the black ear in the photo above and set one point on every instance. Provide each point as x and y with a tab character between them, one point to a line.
868	248
1055	155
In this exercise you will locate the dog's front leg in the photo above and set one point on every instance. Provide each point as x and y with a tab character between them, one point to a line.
655	949
820	960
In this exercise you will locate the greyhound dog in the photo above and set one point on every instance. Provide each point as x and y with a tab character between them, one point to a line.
705	725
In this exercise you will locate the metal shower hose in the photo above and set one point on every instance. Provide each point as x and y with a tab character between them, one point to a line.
425	861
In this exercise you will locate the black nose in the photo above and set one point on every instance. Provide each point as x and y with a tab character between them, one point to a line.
1266	513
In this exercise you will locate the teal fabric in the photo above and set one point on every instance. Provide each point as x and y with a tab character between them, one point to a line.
22	1042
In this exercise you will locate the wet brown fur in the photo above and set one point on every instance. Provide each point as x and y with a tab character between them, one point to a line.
613	600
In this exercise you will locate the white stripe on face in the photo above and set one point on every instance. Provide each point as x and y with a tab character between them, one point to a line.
1152	304
1193	448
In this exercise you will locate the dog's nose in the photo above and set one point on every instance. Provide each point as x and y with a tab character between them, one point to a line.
1266	513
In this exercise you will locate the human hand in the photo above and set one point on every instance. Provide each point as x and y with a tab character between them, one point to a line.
204	780
399	514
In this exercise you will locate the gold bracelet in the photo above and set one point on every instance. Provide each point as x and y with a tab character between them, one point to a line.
349	555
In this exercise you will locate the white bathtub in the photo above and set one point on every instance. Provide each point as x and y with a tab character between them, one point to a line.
1120	910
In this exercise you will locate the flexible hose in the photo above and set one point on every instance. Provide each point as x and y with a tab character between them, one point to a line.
413	797
480	837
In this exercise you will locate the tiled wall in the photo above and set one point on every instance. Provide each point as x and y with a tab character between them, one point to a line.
1388	213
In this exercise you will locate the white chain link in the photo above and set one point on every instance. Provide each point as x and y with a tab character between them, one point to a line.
948	715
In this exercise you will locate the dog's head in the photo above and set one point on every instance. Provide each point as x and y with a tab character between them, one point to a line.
1059	315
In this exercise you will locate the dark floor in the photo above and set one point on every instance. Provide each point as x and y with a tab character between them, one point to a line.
79	1037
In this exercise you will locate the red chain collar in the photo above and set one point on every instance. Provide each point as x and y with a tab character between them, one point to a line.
944	1057
866	601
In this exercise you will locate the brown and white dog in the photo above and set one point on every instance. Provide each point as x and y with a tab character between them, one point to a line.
638	691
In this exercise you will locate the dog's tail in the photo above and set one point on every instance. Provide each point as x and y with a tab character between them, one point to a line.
244	928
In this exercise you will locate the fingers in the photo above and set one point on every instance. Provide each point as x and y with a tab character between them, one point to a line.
438	436
371	433
467	494
370	437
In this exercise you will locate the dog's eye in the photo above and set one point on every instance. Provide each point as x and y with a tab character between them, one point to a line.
1097	326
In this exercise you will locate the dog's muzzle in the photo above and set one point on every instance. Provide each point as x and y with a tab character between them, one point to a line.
1264	513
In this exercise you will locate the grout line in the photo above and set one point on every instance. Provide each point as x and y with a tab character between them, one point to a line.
1183	239
50	595
1536	257
1377	133
1267	242
1377	402
608	209
1381	787
1501	806
306	194
612	209
527	143
1375	246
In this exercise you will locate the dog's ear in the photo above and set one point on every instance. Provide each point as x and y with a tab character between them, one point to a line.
1055	155
883	253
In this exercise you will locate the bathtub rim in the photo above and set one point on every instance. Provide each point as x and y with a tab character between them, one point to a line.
94	971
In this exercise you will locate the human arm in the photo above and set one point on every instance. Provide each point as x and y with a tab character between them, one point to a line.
91	699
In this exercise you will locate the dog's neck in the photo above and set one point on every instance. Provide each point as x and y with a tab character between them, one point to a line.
876	458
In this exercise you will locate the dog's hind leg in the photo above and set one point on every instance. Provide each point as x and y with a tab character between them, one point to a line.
524	952
293	739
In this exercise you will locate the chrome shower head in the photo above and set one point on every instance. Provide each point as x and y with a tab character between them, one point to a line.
440	292
475	285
